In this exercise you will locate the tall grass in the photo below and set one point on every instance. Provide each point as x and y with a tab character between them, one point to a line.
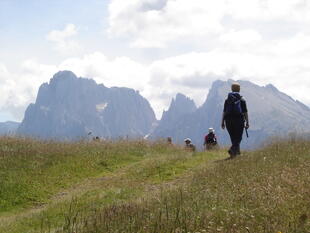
263	191
97	174
32	171
137	186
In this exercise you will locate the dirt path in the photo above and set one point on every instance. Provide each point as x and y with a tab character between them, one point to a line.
65	195
119	178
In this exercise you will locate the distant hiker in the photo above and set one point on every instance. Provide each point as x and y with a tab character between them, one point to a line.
210	140
169	140
96	139
235	118
189	145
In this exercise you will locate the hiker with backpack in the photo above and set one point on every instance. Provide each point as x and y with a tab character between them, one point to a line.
210	140
235	118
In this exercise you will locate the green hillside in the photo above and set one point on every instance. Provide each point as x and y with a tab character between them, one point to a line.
137	186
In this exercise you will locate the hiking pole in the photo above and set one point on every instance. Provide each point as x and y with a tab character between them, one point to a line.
245	119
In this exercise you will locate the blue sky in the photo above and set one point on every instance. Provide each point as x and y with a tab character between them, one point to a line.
24	24
159	47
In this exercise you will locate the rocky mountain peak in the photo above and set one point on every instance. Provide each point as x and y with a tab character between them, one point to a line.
271	112
70	107
182	104
181	107
62	76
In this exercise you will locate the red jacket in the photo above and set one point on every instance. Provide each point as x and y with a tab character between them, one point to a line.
210	138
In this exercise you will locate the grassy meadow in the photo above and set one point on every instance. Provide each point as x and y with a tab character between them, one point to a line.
138	186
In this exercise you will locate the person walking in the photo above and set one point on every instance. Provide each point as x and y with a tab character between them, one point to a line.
235	118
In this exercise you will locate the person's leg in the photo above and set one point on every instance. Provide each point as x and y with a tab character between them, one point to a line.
235	128
231	131
239	126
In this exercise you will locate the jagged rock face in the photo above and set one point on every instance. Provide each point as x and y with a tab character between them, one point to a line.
180	108
8	128
271	112
70	107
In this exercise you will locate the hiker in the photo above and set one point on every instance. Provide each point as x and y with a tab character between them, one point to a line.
210	140
235	118
169	140
189	145
96	139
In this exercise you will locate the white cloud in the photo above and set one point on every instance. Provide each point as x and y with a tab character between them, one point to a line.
3	69
60	36
266	10
191	74
63	39
232	39
241	38
4	82
18	90
156	27
120	71
297	46
176	21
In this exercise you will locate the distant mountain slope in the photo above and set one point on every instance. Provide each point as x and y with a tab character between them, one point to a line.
272	113
8	128
180	108
70	107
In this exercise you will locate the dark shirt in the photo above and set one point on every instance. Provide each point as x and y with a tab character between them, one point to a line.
243	108
210	138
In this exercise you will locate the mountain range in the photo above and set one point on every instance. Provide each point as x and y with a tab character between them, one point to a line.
69	107
8	128
271	112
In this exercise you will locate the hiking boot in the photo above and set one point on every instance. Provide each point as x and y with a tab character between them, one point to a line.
238	151
234	151
231	153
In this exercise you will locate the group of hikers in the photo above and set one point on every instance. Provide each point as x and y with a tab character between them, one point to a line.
234	118
210	141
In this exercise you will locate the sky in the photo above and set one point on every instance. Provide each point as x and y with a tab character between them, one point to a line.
159	47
